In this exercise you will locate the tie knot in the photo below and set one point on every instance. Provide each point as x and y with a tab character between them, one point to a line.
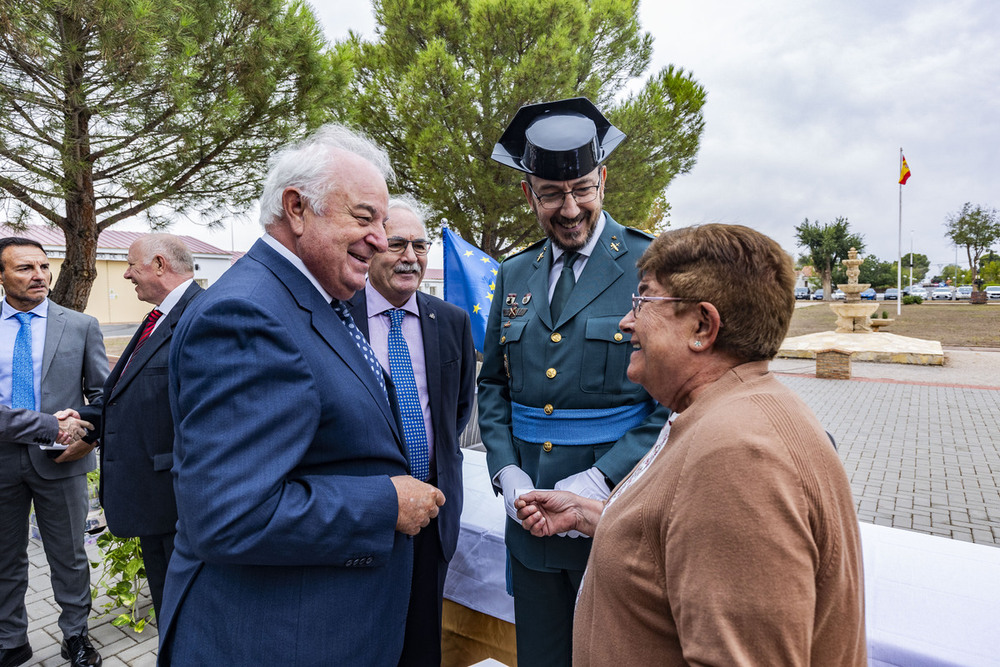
568	259
24	318
396	315
154	315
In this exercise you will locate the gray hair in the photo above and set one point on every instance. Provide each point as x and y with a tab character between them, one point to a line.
171	248
410	203
309	166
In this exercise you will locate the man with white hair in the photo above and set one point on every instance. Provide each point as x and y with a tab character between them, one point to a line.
294	500
426	345
134	424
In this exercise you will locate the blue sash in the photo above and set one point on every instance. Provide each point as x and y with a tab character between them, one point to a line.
577	427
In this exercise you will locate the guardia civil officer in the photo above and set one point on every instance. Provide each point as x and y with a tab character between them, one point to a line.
555	407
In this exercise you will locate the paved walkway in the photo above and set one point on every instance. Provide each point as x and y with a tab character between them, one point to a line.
921	446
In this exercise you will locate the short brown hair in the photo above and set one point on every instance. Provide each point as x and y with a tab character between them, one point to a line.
743	273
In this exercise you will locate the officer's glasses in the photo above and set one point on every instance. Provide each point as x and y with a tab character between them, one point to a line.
397	244
554	200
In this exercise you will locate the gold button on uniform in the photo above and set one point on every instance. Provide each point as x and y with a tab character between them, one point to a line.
556	337
618	337
548	408
547	446
551	373
503	339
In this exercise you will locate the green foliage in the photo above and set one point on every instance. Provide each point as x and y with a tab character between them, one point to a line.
909	299
921	265
111	110
990	272
827	245
877	273
442	79
974	228
885	315
122	575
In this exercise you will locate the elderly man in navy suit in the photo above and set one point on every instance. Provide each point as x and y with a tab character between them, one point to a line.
426	344
135	428
295	506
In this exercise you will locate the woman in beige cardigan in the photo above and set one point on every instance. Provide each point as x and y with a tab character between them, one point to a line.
735	540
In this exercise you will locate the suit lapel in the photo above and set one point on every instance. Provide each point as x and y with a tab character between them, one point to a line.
53	333
430	329
538	284
603	268
325	323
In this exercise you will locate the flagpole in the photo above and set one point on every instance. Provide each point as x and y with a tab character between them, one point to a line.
899	262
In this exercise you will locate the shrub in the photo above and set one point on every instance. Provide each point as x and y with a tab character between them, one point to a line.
910	299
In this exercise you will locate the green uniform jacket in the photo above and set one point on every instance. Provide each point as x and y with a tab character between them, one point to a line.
575	363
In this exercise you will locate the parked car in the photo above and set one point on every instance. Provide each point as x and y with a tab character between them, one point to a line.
941	293
993	292
891	294
868	294
838	295
963	292
818	295
801	292
918	291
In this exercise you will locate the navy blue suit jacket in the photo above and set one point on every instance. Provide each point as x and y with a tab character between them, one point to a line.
136	432
450	358
286	549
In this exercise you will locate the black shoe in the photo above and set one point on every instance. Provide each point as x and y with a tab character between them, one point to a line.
80	652
18	655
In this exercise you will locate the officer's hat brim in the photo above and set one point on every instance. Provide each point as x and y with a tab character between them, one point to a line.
558	141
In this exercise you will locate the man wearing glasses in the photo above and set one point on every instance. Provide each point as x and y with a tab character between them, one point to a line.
426	345
556	409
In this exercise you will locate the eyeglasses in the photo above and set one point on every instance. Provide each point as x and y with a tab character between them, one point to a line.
554	200
397	244
637	301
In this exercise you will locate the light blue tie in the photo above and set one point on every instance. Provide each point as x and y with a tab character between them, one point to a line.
359	340
401	370
23	366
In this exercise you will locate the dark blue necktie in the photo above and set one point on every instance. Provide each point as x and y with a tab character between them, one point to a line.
401	370
359	340
23	366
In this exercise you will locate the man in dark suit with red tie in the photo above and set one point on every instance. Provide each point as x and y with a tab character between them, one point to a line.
134	425
434	358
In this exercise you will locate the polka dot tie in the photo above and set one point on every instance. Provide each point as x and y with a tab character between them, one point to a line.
345	315
401	370
23	366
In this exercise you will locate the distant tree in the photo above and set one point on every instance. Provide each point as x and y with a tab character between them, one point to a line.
116	110
441	80
987	258
877	273
990	272
921	265
974	228
827	245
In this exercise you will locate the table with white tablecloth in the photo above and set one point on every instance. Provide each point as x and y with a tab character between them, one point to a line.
929	600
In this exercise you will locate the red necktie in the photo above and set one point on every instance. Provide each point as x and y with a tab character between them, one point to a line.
147	328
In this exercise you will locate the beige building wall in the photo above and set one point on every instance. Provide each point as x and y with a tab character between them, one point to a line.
112	298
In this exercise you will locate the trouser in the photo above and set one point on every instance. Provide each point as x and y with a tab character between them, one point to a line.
422	637
156	550
543	614
61	507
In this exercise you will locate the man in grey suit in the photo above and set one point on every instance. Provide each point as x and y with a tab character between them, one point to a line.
28	427
50	357
134	425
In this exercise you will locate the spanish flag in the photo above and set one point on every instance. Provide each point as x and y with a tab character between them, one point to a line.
904	171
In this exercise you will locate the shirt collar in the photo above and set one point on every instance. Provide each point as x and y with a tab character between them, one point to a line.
41	310
586	250
296	262
378	304
171	299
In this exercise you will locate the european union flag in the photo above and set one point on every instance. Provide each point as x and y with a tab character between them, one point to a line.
469	279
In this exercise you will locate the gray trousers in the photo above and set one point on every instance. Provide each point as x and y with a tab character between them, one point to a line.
61	507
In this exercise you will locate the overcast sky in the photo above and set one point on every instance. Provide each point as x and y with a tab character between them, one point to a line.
808	105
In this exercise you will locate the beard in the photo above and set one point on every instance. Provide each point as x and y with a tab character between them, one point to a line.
557	222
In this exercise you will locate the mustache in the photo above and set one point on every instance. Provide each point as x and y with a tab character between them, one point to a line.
406	267
569	222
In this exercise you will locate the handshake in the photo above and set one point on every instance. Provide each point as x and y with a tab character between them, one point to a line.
71	426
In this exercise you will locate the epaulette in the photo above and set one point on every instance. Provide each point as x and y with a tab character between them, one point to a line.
641	232
534	246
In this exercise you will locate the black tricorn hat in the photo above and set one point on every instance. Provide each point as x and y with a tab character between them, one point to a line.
558	141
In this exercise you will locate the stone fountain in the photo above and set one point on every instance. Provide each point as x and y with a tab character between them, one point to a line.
853	315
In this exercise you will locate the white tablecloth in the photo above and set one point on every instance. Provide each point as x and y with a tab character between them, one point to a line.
929	600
